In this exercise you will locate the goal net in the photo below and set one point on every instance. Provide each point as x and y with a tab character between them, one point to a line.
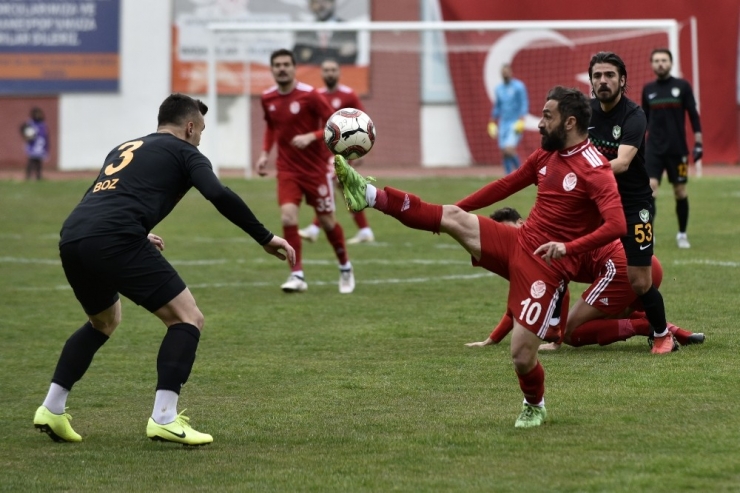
428	86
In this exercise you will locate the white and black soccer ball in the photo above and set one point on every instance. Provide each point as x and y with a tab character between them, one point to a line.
350	133
29	132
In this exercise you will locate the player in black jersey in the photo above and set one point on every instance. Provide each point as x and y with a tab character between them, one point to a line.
666	102
107	248
617	130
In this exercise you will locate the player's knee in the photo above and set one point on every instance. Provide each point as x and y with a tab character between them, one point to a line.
523	360
327	221
107	321
196	318
106	325
523	365
641	285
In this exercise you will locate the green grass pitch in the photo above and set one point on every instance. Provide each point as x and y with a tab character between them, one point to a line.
374	391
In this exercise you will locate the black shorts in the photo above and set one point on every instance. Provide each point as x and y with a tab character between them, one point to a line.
99	268
638	242
676	167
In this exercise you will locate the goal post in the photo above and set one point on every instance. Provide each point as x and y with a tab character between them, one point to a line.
415	127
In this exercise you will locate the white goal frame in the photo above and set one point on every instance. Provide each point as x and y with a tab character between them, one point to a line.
670	26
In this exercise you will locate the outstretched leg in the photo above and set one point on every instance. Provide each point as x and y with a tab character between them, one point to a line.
409	209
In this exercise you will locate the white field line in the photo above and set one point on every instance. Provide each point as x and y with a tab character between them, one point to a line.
259	260
713	263
216	285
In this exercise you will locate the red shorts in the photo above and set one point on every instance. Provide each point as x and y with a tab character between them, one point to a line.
498	242
534	288
318	190
612	292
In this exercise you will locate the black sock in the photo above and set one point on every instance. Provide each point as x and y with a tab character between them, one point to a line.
682	212
652	302
77	355
176	356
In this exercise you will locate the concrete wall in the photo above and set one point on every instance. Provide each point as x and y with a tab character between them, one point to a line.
91	124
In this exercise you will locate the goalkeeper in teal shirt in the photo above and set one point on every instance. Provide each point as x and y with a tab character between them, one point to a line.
512	105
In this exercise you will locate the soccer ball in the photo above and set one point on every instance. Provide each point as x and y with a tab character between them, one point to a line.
350	133
29	132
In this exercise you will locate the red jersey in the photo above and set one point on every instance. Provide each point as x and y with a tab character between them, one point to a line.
300	111
341	97
577	201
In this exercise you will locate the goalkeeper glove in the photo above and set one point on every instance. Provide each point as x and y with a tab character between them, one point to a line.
492	130
519	126
698	152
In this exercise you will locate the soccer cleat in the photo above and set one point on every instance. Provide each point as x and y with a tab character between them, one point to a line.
55	425
682	241
309	233
346	281
664	345
531	416
353	184
179	431
684	337
294	284
365	236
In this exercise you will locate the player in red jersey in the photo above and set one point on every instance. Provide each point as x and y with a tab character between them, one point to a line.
607	312
295	114
339	96
572	179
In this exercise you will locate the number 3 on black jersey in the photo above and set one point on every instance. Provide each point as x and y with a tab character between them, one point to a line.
126	156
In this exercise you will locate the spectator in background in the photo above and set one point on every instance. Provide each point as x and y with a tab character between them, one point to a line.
339	96
36	134
507	117
313	47
666	102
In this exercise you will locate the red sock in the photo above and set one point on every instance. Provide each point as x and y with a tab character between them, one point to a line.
533	384
682	336
336	238
409	209
315	221
615	331
585	334
641	326
360	219
505	325
290	233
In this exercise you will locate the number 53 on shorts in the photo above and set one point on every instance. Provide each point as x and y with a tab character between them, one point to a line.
643	233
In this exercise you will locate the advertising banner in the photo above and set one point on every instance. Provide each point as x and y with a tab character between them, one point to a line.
243	58
49	47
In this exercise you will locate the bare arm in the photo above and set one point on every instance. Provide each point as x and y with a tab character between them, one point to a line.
625	155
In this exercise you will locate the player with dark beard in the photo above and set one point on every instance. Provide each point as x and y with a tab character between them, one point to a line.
543	254
617	129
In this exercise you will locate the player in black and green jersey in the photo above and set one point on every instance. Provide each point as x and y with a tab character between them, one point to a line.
617	130
107	248
666	101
